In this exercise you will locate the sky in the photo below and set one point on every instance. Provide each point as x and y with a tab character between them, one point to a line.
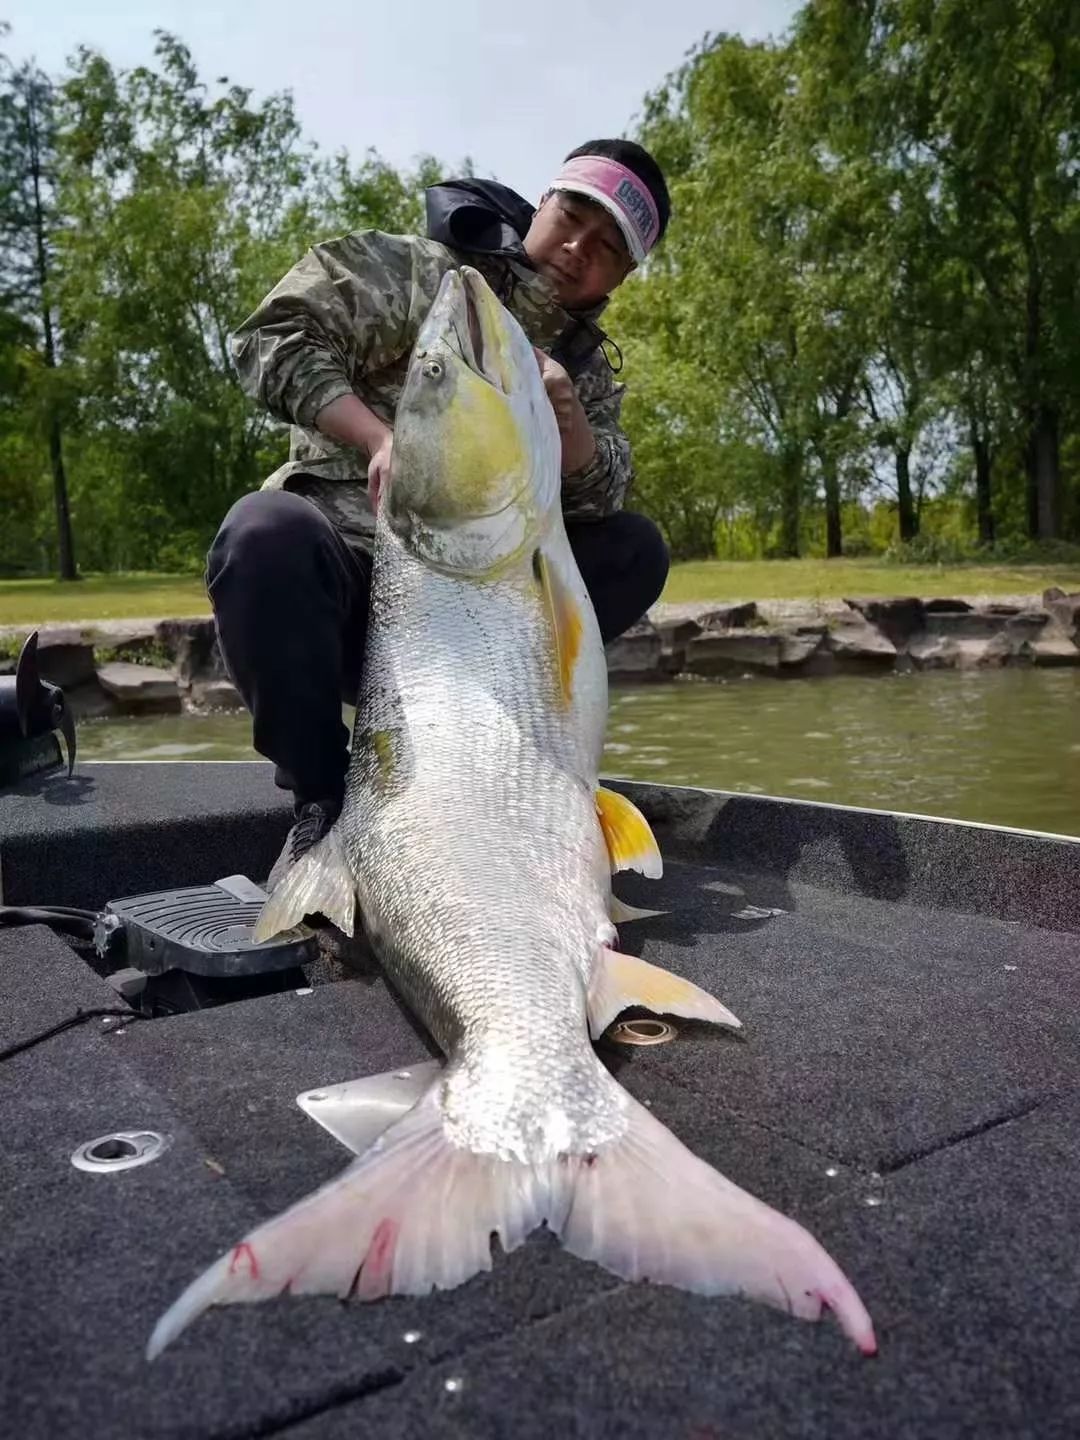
513	88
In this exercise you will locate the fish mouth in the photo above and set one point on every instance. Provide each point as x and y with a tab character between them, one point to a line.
473	326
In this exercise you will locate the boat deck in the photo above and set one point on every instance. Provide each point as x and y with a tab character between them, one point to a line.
906	1086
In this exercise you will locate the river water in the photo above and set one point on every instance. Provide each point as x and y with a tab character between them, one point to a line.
1001	747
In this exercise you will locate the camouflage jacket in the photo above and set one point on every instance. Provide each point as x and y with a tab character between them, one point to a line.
344	320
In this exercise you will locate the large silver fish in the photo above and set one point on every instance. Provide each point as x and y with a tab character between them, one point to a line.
476	845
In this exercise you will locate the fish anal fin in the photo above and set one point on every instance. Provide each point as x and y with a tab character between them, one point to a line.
566	621
630	841
622	981
320	883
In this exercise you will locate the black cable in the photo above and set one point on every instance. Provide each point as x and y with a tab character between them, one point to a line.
79	1018
58	917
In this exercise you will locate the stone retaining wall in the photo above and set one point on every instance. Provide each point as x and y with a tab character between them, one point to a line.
165	666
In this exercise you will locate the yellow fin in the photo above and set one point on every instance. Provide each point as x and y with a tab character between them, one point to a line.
621	981
565	621
630	842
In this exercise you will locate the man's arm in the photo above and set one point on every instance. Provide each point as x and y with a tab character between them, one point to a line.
343	310
596	453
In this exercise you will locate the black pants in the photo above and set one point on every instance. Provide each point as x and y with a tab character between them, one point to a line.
291	604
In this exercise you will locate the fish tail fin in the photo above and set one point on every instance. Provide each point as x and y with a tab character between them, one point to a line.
648	1209
319	883
414	1213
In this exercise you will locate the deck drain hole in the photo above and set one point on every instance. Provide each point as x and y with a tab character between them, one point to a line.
123	1150
643	1032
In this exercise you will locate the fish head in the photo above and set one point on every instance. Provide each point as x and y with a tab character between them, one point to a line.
475	472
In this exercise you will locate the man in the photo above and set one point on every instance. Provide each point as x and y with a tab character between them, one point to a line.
289	573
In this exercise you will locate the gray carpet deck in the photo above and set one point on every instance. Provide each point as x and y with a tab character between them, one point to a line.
907	1087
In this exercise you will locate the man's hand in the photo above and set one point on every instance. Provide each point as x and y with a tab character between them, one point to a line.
578	441
349	420
378	470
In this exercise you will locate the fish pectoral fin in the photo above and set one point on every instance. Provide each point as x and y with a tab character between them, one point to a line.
647	1209
417	1212
621	981
359	1111
566	622
630	841
623	914
320	883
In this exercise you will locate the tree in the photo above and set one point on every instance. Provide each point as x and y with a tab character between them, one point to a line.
28	270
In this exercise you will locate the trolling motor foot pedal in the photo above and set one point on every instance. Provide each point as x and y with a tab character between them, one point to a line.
204	930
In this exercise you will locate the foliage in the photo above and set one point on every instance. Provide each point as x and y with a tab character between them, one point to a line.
861	335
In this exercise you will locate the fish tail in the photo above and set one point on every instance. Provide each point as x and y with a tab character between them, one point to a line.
414	1213
647	1209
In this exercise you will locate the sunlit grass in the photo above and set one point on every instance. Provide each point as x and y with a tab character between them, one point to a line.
837	579
120	597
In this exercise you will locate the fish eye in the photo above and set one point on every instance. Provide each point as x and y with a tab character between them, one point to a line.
433	370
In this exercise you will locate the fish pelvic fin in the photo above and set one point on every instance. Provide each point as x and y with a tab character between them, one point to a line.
647	1209
415	1213
320	883
621	981
630	841
623	914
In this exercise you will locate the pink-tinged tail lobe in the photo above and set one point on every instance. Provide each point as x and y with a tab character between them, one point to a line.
417	1213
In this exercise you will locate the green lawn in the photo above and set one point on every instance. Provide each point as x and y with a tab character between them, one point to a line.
118	597
101	597
835	579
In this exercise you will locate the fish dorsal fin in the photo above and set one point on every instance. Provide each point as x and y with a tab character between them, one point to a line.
621	981
630	842
566	624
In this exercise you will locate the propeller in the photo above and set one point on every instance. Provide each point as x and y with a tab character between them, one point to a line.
32	705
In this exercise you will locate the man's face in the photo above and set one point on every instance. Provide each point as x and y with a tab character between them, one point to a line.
577	245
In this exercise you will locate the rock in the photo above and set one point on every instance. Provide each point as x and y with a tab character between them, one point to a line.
950	652
636	654
1065	609
796	651
65	658
1054	648
729	617
859	646
950	607
997	609
966	624
897	619
91	702
215	695
1027	625
732	652
675	634
140	688
194	647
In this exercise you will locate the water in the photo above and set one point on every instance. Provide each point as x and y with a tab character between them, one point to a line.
1001	747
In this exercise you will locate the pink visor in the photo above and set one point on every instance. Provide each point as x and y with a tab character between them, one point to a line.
621	193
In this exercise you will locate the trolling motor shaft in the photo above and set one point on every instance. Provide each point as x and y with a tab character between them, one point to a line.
31	711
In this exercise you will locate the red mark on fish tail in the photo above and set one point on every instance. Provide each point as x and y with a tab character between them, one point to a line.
244	1252
379	1262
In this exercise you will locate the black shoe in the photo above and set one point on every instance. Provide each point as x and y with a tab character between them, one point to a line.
313	820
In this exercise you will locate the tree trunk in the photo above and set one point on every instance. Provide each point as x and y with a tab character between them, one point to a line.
790	503
834	537
1044	475
68	570
984	502
56	448
909	520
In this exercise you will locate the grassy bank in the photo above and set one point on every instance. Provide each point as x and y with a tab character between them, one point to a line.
118	597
